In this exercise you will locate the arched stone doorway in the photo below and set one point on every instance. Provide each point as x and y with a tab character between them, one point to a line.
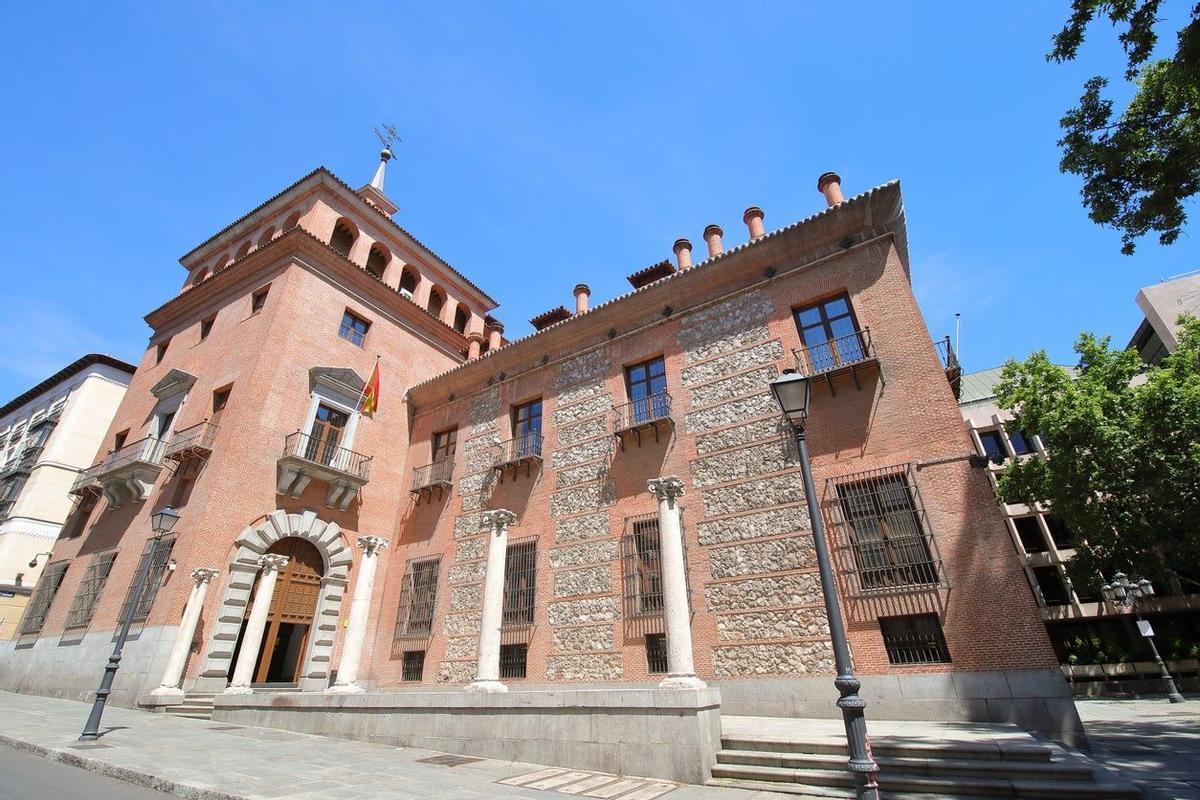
253	542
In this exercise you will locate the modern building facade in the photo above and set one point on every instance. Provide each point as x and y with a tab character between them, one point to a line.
1162	304
610	502
48	434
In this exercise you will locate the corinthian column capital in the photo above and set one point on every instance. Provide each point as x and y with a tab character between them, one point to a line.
204	575
371	545
272	562
500	518
666	488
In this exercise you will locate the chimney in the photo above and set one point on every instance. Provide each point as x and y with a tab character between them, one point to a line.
494	331
830	184
712	237
683	253
753	219
474	345
582	293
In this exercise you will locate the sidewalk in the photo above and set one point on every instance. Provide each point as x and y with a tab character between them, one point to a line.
212	761
1154	744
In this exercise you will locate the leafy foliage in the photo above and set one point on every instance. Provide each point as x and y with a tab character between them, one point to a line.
1123	455
1140	169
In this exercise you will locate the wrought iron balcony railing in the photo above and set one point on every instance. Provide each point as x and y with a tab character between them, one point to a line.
950	364
86	481
439	474
194	442
525	447
327	454
144	451
835	354
645	412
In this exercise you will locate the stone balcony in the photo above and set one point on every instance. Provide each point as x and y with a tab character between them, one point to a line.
128	474
304	459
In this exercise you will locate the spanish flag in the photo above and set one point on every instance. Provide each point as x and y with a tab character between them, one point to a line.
369	403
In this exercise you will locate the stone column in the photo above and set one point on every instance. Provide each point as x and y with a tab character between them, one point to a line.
168	688
243	673
360	608
487	675
681	670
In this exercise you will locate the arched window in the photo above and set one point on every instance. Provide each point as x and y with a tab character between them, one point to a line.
292	221
436	301
201	275
243	250
220	264
408	282
460	319
377	260
267	236
343	237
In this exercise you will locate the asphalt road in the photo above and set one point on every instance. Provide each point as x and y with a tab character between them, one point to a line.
24	776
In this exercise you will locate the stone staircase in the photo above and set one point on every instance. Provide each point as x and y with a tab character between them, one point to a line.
919	763
194	706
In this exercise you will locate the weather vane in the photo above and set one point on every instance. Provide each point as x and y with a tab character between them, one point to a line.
388	135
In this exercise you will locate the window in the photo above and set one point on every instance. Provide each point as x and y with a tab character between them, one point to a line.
94	578
1022	443
10	489
829	334
1060	533
43	596
656	653
408	283
155	559
79	517
915	639
436	301
444	444
343	237
418	597
354	328
161	351
221	398
460	319
119	439
643	567
520	578
206	326
377	260
883	520
527	429
259	299
993	445
512	660
1050	583
414	665
1030	533
647	386
162	424
325	436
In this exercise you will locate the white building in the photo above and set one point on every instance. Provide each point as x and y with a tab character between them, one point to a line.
48	435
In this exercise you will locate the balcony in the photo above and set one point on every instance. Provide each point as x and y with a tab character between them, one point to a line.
192	444
85	481
6	508
130	472
852	353
646	414
950	364
305	458
525	450
437	476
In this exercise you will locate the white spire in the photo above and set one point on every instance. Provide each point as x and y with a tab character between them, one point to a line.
385	155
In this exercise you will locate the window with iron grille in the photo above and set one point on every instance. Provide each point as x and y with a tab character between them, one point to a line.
656	652
647	386
883	524
640	549
155	559
1030	534
915	639
527	429
418	598
414	665
830	334
520	579
512	660
354	328
94	578
43	596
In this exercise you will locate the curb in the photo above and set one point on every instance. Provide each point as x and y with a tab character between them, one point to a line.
126	774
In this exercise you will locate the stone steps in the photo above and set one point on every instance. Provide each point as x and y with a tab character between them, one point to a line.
194	706
909	765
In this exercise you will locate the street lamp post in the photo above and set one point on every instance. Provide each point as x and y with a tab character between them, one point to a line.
1125	593
163	521
793	392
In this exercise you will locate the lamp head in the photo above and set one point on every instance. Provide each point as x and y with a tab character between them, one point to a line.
793	393
163	520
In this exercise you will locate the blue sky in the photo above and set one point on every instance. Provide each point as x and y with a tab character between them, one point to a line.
547	144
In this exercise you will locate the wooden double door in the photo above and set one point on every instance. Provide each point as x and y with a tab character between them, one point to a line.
293	606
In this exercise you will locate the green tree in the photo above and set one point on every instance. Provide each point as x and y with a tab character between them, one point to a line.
1123	455
1139	169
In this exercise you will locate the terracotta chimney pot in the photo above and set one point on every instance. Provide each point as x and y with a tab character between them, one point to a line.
494	332
754	221
683	253
582	293
830	184
712	237
474	345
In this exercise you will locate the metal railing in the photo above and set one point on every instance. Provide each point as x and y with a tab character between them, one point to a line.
439	473
643	411
327	454
520	584
192	440
86	479
950	363
527	445
844	351
147	451
6	508
418	598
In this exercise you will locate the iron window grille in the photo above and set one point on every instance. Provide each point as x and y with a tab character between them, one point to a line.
641	554
915	639
520	584
90	589
883	531
354	328
414	665
43	596
155	559
418	598
513	660
656	653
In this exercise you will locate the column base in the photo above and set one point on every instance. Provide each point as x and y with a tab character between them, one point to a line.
345	688
490	687
238	690
682	682
165	696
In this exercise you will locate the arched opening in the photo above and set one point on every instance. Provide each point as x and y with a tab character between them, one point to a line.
408	283
344	234
292	611
436	301
292	221
267	236
460	319
201	275
221	262
377	260
242	250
